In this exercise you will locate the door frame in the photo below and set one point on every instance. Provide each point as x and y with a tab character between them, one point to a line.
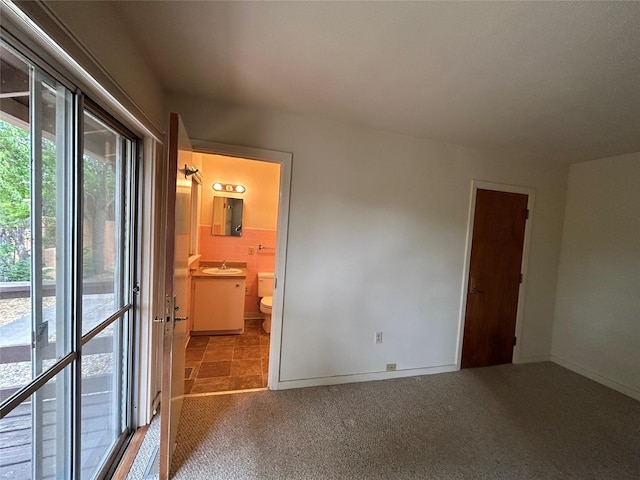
284	159
498	187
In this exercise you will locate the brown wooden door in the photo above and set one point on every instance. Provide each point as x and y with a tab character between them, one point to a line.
494	278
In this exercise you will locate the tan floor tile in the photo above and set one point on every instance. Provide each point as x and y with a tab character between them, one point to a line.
208	385
251	331
188	384
193	355
220	340
242	383
252	322
242	368
216	354
214	369
195	366
244	353
198	342
229	362
245	341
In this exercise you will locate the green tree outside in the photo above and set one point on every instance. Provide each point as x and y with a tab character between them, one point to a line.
15	196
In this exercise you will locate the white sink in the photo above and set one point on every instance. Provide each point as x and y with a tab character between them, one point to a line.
221	271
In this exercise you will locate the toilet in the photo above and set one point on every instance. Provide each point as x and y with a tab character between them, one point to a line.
265	292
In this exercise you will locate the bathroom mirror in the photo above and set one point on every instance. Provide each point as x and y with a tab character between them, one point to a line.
227	216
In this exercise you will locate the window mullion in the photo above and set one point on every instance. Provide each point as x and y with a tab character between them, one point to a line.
39	334
64	156
76	283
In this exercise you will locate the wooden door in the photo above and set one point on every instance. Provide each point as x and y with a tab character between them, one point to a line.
177	241
494	278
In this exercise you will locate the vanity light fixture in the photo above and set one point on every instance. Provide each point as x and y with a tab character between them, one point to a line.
228	187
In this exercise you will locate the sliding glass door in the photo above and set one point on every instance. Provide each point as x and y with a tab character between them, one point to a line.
107	289
67	277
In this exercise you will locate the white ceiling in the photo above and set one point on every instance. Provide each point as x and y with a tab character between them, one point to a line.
557	78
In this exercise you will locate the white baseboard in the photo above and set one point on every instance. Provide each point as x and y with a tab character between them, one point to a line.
362	377
597	377
534	359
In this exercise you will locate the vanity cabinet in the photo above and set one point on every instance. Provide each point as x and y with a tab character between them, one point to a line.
218	305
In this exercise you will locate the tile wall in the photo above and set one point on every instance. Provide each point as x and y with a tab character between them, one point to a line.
236	249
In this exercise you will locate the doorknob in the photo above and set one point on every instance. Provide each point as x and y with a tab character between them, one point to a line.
162	320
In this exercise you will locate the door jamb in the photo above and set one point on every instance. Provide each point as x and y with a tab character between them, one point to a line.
530	192
284	159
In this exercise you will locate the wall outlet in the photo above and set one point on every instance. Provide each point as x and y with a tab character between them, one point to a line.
391	367
252	250
378	337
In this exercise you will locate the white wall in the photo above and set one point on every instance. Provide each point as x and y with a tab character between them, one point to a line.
377	239
597	316
99	27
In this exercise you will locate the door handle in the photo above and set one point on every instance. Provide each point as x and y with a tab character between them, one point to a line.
168	319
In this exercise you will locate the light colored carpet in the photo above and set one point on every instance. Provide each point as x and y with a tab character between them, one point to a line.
507	422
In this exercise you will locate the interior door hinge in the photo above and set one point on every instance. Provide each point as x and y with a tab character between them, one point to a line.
515	341
521	278
526	214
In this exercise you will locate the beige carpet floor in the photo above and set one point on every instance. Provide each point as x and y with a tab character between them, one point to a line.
533	421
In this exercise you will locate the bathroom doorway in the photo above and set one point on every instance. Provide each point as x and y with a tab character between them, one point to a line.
249	358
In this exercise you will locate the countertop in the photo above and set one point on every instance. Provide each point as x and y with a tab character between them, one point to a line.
241	265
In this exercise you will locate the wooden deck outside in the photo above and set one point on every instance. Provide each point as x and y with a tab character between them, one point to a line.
97	432
98	407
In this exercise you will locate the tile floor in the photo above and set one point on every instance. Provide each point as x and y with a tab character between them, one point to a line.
228	362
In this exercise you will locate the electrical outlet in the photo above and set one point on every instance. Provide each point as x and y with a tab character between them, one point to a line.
252	250
391	367
378	337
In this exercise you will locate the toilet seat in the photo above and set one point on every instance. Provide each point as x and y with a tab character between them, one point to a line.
265	304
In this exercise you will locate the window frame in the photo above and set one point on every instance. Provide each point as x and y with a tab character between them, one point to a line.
129	312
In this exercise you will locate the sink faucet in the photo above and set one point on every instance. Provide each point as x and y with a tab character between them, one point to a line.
224	265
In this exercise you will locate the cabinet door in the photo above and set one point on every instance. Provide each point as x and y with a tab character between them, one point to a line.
218	305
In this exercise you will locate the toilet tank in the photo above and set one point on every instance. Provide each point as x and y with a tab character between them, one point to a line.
265	284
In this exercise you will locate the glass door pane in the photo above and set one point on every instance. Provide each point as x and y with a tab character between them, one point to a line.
107	167
105	254
35	256
102	396
30	449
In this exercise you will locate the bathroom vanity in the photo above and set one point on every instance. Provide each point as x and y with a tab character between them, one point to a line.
218	300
